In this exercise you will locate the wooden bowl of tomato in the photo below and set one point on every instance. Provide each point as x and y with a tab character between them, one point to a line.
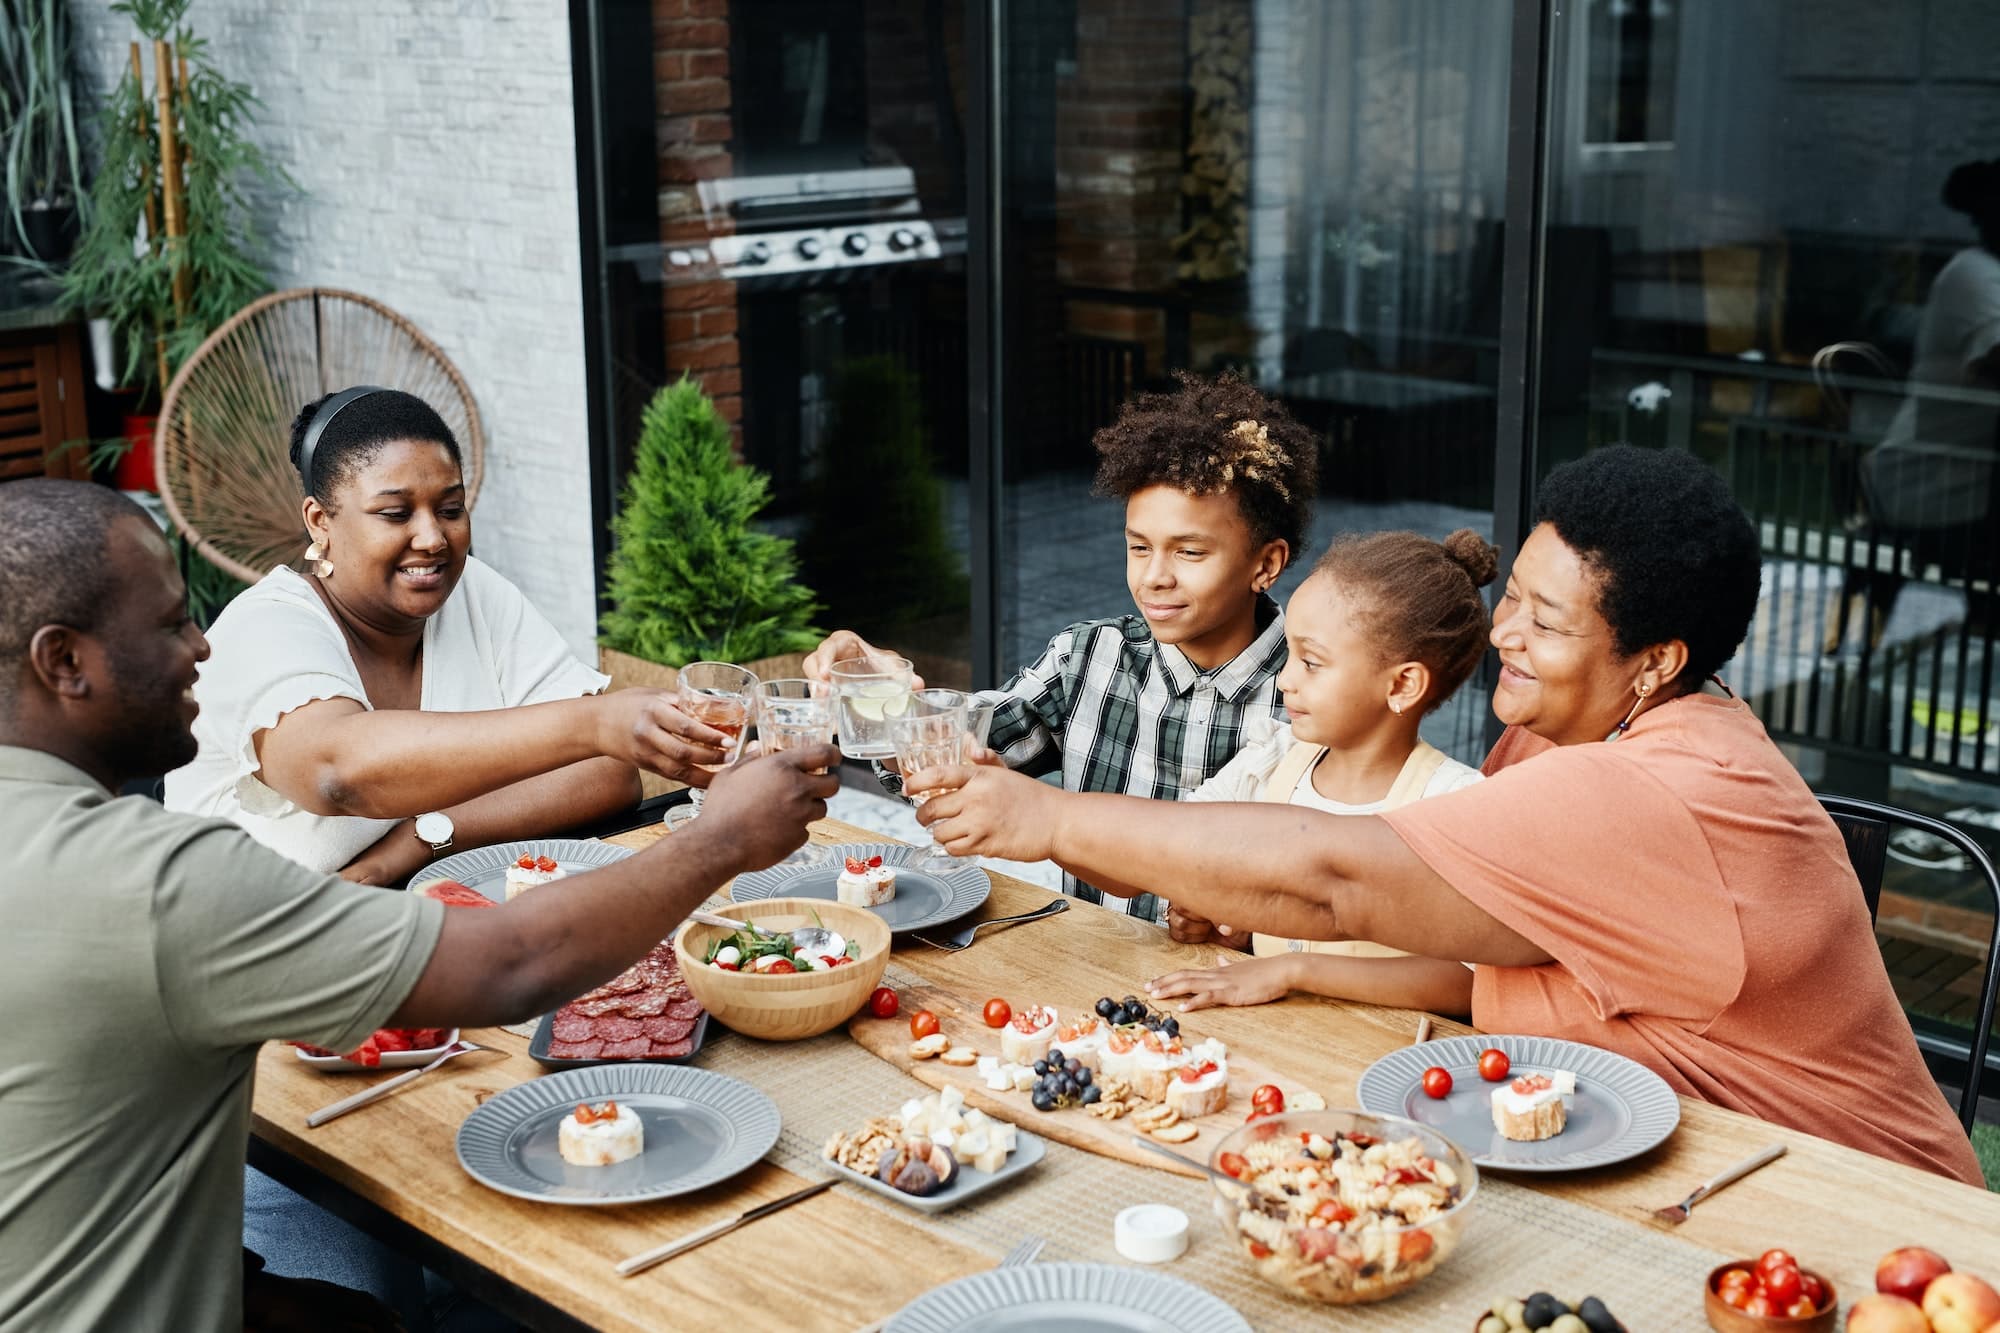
789	1005
1769	1293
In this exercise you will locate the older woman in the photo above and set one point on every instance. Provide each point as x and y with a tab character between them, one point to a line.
401	697
1642	870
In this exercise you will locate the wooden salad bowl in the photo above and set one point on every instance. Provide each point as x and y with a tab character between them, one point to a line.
790	1006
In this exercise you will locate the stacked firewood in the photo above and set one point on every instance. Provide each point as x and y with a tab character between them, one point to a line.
1216	183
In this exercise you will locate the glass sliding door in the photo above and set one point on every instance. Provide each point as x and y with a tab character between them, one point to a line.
1773	239
1308	192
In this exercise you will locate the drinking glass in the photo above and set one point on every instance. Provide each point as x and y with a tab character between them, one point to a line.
871	690
792	714
929	733
724	697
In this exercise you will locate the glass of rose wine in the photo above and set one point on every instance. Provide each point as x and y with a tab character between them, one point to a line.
792	714
724	697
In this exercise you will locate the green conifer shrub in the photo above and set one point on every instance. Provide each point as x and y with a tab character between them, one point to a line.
690	579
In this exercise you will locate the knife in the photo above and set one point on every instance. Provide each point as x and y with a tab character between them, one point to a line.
639	1263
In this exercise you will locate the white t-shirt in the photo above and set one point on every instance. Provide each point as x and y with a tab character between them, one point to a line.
1265	741
277	647
1934	467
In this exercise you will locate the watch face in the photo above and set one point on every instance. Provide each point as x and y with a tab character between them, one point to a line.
434	828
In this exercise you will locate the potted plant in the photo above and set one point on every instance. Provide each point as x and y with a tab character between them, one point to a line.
39	158
690	579
166	252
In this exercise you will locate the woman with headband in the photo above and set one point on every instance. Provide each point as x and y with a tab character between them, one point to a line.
400	697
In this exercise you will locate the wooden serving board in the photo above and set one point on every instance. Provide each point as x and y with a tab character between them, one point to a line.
960	1019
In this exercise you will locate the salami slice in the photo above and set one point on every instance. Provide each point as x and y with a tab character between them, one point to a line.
575	1050
672	1050
649	1004
570	1027
635	1049
668	1028
689	1008
617	1029
631	979
598	1008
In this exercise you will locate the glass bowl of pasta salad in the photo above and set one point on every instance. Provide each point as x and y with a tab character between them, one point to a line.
1343	1207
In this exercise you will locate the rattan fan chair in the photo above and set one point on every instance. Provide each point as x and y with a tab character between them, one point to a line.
225	425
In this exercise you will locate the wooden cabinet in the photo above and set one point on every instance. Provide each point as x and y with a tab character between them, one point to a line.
41	403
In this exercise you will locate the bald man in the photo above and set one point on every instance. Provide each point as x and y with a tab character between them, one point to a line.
144	955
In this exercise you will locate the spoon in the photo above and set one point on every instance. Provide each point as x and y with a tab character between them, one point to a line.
812	941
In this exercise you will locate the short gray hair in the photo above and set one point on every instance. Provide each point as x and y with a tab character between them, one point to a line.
54	565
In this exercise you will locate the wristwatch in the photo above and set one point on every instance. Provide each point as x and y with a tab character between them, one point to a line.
435	829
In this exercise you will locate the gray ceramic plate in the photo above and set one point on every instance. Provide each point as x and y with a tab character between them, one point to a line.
923	897
1621	1108
701	1128
485	868
971	1183
1068	1298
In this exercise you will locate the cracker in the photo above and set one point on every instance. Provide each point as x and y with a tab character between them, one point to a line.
923	1048
960	1056
1178	1132
1107	1110
1305	1101
1156	1117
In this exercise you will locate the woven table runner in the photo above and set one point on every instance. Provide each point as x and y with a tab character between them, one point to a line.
1518	1241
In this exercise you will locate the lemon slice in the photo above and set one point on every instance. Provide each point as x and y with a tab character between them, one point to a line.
876	707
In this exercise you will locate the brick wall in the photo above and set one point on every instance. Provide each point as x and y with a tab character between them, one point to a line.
691	65
436	148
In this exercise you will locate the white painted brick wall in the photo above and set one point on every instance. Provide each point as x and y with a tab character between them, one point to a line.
435	144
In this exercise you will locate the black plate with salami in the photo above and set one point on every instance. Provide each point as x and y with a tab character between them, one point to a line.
646	1013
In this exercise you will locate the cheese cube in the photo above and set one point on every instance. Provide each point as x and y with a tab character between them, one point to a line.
987	1064
1003	1136
991	1160
972	1143
1024	1079
943	1138
951	1099
999	1081
912	1115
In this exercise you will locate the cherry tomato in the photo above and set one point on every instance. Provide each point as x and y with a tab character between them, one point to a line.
998	1011
1232	1164
883	1003
1781	1284
1801	1309
1268	1097
1333	1212
1414	1246
1812	1289
730	967
1740	1278
1494	1064
923	1023
1437	1083
1758	1304
780	966
841	961
1738	1296
1771	1259
1259	1251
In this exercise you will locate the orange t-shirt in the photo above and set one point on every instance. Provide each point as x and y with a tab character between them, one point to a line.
1704	920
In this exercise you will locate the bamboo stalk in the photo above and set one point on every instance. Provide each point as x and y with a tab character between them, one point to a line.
146	171
170	170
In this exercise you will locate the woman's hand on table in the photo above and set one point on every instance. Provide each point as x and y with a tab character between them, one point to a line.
1246	981
1184	927
646	727
396	856
761	807
841	645
980	810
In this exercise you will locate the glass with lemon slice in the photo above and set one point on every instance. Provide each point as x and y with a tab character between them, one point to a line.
871	691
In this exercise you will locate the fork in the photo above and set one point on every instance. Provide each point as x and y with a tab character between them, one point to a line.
1678	1213
962	939
383	1089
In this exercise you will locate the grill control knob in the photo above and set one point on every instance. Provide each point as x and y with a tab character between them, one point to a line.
856	244
757	252
903	239
810	247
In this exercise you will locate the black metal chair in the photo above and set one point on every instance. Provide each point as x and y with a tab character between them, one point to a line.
1865	827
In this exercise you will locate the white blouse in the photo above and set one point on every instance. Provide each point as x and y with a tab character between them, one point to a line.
1265	741
277	647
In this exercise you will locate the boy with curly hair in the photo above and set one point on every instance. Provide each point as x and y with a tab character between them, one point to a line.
1218	483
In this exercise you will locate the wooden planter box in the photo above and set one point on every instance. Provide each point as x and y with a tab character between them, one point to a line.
626	670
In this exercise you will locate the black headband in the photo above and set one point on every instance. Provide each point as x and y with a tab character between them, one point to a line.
323	419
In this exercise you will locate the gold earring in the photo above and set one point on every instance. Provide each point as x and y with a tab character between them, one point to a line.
1626	725
317	562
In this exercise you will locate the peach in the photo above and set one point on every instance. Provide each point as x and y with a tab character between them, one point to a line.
1960	1303
1906	1272
1883	1313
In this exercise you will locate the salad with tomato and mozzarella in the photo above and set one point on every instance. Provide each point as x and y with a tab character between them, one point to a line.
753	949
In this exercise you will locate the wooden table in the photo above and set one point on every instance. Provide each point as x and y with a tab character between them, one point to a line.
393	1166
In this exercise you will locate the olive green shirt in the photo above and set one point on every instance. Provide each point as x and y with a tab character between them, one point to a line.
144	957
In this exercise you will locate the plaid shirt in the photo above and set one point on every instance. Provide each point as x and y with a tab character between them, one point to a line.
1113	709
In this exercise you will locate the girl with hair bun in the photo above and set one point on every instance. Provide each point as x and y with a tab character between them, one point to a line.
1385	629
